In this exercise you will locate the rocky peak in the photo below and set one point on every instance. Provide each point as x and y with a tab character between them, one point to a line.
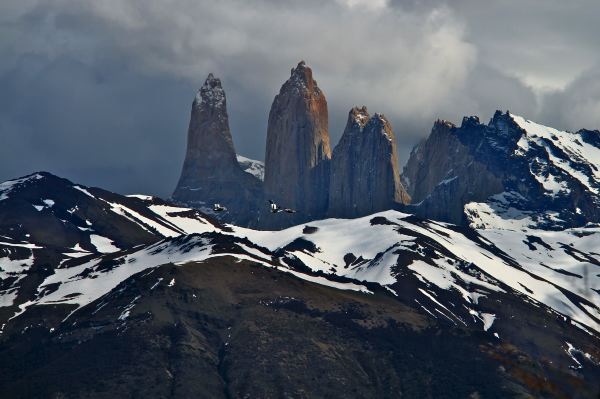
364	167
511	172
502	124
426	165
469	121
210	145
211	94
297	142
441	171
301	79
211	172
301	71
380	125
442	123
357	118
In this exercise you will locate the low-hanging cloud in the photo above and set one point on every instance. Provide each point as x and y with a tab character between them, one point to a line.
100	91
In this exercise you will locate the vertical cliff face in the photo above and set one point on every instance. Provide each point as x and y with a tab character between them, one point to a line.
365	176
211	173
443	172
210	153
298	150
428	163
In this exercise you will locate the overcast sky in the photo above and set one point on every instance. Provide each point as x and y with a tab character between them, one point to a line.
100	91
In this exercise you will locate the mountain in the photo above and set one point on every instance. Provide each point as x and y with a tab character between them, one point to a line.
297	149
511	172
365	176
46	222
211	172
385	305
297	173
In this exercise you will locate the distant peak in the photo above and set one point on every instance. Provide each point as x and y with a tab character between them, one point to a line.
301	68
359	110
302	78
358	115
500	114
211	82
211	93
470	121
379	123
443	123
379	118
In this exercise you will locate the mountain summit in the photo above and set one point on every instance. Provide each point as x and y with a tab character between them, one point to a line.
364	170
211	172
297	147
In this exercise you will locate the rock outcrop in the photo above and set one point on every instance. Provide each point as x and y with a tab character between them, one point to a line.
365	176
511	169
298	149
211	173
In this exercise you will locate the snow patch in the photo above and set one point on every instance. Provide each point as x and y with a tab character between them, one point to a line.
254	167
103	244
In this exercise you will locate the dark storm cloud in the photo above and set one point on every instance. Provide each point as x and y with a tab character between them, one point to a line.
115	130
100	92
578	105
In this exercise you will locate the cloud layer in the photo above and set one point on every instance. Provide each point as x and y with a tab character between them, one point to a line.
100	91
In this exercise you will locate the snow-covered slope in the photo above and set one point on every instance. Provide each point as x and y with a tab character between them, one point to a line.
569	156
46	221
451	273
252	166
557	269
454	273
565	166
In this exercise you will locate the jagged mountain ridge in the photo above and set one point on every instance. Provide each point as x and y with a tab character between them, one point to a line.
383	249
511	172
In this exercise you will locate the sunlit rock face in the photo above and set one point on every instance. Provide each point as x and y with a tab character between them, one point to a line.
298	149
